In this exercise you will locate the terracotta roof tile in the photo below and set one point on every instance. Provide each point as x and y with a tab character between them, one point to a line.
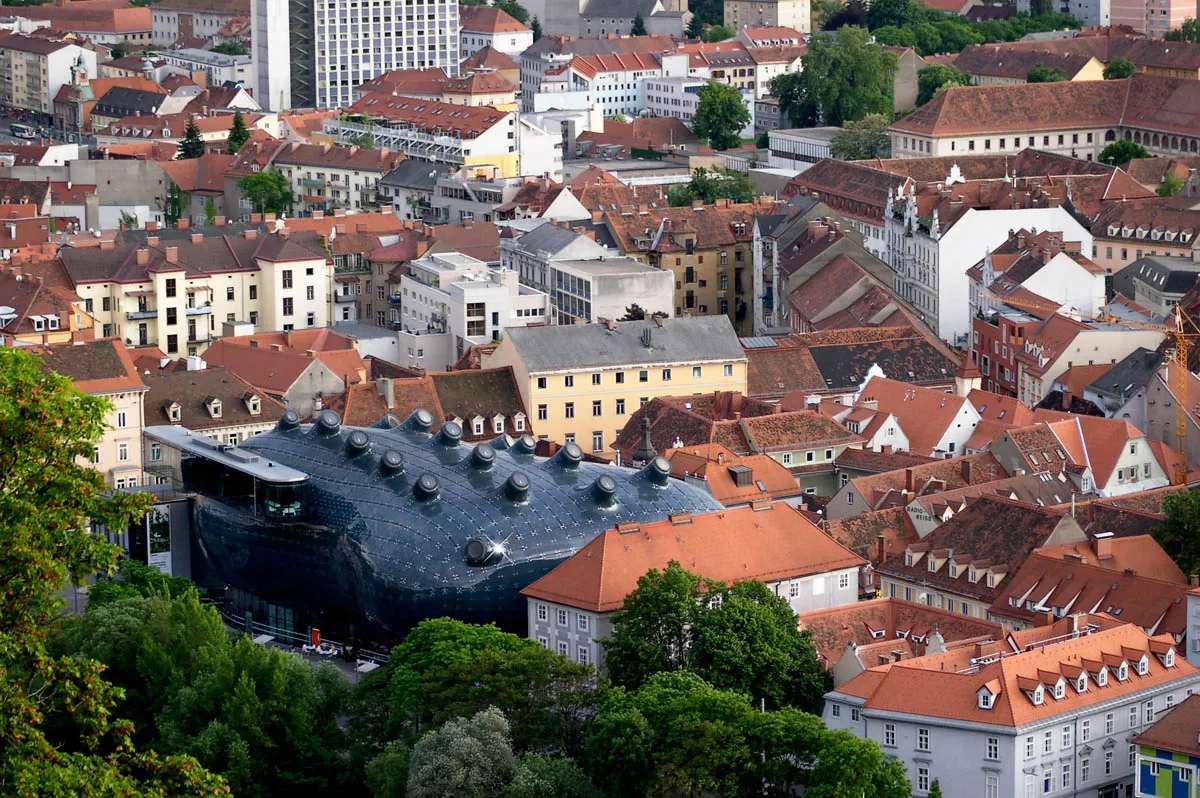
714	464
766	542
485	19
1176	730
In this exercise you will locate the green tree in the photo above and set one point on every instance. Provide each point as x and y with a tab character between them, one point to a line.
1179	535
133	580
844	77
229	48
708	186
1172	184
848	766
59	735
651	632
535	25
935	789
191	145
750	643
387	773
1118	69
763	141
238	134
210	211
720	115
118	50
468	757
718	33
365	140
175	206
1189	31
935	77
890	12
268	191
1042	74
853	13
544	777
866	138
513	9
822	10
639	26
695	27
633	312
1122	152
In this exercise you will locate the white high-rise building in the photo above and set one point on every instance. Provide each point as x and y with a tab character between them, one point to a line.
271	56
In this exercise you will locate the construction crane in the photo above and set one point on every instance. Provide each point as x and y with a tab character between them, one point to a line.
1183	333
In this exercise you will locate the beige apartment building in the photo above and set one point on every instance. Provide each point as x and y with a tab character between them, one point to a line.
32	70
769	13
175	294
582	382
328	176
104	368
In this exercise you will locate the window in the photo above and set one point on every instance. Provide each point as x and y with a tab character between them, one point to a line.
595	379
254	292
519	423
1029	747
597	441
793	589
562	617
563	648
122	419
643	376
666	375
922	779
1030	785
569	410
1066	775
922	739
889	734
854	714
1108	760
543	642
991	785
1066	736
172	315
170	286
542	413
581	623
287	278
697	371
122	452
1085	730
836	710
310	292
1150	711
1108	723
620	407
843	581
1047	742
993	748
583	655
1085	768
569	381
287	306
541	383
1047	780
1132	755
155	451
542	612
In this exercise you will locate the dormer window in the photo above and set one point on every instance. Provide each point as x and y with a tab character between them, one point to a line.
985	699
953	570
1102	677
908	558
498	424
932	564
973	575
1123	672
1039	695
1060	689
254	405
174	411
1143	666
519	422
214	407
1081	684
477	426
1169	658
991	580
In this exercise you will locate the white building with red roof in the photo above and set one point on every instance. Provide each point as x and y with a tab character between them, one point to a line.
485	26
1048	711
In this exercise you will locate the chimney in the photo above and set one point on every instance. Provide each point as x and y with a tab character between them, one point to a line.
172	254
197	238
1194	580
277	347
1102	545
387	389
219	221
152	241
880	550
182	224
909	479
151	226
964	469
143	257
1043	619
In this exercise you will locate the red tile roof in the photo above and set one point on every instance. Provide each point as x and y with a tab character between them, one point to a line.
486	19
1176	730
768	542
102	366
429	116
713	463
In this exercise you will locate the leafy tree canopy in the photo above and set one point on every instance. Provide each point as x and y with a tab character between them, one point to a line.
238	134
866	138
268	191
1042	74
720	115
1122	152
1119	68
707	186
59	734
639	25
844	77
229	48
1180	534
839	15
718	33
466	757
1172	184
513	9
1189	31
191	145
544	777
936	77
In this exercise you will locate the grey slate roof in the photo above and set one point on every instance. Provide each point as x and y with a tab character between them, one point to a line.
120	101
548	238
618	9
1160	272
412	173
685	340
1119	383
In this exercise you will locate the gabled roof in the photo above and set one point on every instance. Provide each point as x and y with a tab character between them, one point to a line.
488	58
716	464
933	476
486	19
947	685
768	542
1176	730
204	174
482	392
925	415
430	116
692	421
861	533
192	391
102	366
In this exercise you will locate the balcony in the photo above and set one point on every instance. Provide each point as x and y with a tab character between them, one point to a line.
344	298
310	183
394	299
142	313
199	310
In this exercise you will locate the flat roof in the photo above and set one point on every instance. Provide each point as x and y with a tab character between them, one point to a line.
245	461
607	266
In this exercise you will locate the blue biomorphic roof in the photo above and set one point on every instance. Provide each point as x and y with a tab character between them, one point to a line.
426	524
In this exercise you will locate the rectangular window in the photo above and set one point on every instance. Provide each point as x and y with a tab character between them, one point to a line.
728	370
666	375
229	293
1066	736
569	410
563	648
620	407
1085	731
1133	715
288	306
595	379
172	344
287	278
597	408
1047	742
991	785
597	441
569	381
922	739
583	655
1085	771
122	452
697	371
170	286
542	612
122	419
542	413
1108	760
581	623
836	710
993	748
843	581
172	315
155	451
1029	747
562	617
310	292
643	376
922	779
889	734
